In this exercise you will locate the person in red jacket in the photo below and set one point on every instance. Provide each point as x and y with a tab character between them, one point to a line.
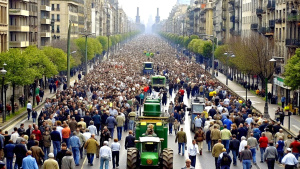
181	91
37	133
295	145
263	144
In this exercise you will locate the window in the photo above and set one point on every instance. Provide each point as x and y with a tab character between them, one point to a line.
57	7
52	7
57	29
58	17
52	17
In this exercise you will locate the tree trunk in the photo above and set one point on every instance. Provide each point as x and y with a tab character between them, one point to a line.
33	93
25	94
13	98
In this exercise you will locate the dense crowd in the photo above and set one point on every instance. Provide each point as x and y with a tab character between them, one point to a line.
82	119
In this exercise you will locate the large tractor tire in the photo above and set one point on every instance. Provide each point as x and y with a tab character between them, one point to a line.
132	158
167	158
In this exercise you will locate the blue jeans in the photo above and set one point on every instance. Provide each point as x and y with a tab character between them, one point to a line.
170	128
253	151
226	145
225	167
111	130
119	130
181	145
280	155
46	152
33	120
90	157
131	124
262	151
76	155
296	155
246	164
209	145
193	160
66	140
104	161
115	158
234	155
9	162
28	113
56	147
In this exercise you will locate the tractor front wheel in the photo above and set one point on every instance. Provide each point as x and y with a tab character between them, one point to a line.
132	158
167	158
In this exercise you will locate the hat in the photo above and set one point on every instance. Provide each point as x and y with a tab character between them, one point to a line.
51	155
288	149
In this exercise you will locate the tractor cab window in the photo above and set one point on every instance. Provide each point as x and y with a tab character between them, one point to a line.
158	81
148	65
198	108
149	147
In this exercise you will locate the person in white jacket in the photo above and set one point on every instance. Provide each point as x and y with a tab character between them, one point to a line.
243	144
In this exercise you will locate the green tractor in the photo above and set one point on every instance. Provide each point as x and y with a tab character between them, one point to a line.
151	136
147	68
158	82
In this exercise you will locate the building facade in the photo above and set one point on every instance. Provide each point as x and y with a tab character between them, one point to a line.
3	26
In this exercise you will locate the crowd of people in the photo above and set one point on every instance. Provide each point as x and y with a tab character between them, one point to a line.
82	119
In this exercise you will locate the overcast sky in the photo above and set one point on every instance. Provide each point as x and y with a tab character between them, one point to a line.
147	8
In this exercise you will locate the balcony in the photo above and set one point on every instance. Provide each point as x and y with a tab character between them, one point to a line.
52	31
271	5
278	21
254	26
269	32
18	44
293	17
57	20
292	43
45	8
13	28
201	28
271	23
46	21
45	34
32	13
19	12
57	31
259	11
232	18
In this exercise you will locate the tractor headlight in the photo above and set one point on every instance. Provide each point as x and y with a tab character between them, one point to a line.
149	161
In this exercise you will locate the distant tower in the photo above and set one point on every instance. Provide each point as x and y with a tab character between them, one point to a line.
157	18
137	20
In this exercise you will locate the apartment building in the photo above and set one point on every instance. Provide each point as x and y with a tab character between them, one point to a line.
44	23
64	11
3	25
217	20
18	24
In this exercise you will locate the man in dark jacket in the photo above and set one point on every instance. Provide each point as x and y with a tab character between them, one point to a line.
97	121
61	154
20	152
129	141
9	154
87	118
234	145
111	123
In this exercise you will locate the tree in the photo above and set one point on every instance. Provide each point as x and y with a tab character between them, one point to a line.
93	47
57	56
292	69
104	42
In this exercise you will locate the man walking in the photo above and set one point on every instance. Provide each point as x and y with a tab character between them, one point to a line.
246	157
29	108
115	148
289	160
225	136
199	137
129	141
97	121
253	144
263	144
120	123
105	155
271	155
192	151
111	122
181	138
29	162
215	135
56	140
75	145
51	163
91	147
9	154
234	145
216	151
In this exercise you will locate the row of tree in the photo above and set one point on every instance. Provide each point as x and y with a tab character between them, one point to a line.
25	67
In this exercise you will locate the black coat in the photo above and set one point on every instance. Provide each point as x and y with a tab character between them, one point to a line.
20	152
129	141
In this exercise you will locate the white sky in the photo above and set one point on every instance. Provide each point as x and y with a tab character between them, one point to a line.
147	8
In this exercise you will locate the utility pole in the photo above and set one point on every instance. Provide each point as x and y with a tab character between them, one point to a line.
68	55
86	60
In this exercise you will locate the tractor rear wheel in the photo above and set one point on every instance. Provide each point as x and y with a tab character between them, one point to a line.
167	158
132	158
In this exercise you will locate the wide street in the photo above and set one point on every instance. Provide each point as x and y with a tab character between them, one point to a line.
206	161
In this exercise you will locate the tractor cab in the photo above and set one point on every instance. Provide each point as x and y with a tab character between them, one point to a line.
158	82
197	107
150	151
148	68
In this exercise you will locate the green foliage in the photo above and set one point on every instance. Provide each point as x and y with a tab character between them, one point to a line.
57	56
219	53
104	42
292	69
93	47
207	49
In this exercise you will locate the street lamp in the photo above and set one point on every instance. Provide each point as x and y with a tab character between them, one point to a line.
85	34
3	72
227	72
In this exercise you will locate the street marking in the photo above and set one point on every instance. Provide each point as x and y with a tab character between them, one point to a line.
83	163
296	127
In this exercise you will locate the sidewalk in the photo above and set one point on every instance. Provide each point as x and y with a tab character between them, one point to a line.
259	104
24	114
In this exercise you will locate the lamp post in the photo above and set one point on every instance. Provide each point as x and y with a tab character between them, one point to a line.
3	72
227	72
68	54
86	34
213	56
266	111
